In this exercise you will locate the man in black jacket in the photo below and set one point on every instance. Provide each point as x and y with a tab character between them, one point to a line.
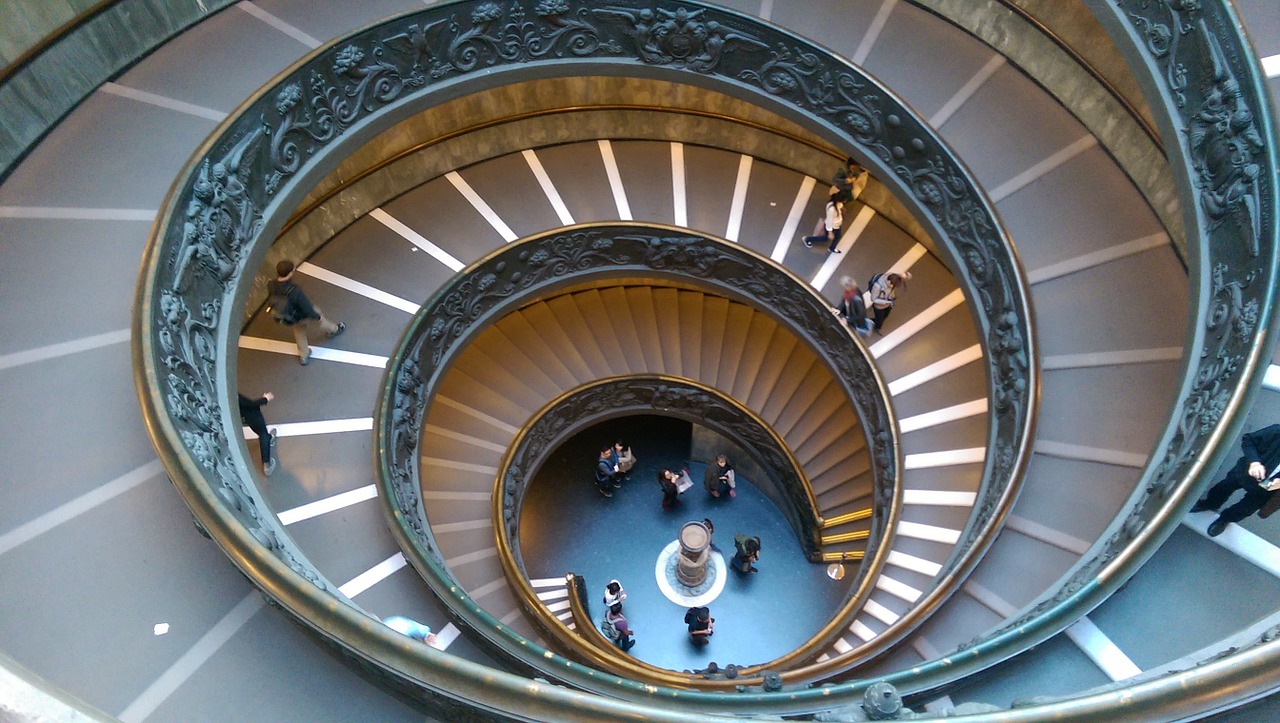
251	415
1257	473
291	307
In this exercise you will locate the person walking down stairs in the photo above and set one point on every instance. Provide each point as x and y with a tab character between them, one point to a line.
289	306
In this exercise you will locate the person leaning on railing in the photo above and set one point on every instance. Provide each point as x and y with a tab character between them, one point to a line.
1257	473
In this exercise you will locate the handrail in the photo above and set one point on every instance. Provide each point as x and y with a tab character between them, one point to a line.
1088	67
221	214
666	395
622	395
556	262
349	181
53	38
43	84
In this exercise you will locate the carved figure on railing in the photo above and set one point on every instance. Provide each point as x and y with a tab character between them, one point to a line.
1231	324
220	217
1224	141
679	37
404	417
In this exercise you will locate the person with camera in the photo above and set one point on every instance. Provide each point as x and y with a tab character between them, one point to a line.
719	479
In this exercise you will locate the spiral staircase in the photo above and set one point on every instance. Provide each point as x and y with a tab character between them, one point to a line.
117	606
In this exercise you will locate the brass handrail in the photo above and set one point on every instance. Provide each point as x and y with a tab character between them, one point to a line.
349	181
567	259
504	496
260	160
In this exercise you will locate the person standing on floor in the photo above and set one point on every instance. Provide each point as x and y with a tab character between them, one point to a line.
851	178
251	415
605	470
852	308
884	291
624	460
614	594
667	481
711	531
616	628
410	628
720	478
1257	473
748	551
289	306
701	625
832	222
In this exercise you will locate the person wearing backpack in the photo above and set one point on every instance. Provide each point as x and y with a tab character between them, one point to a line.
289	306
616	628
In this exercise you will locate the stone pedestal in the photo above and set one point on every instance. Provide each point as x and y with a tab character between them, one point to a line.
695	547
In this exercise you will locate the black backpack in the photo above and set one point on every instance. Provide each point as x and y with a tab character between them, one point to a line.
280	307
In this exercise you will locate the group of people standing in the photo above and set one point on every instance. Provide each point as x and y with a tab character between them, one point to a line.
613	467
718	479
847	185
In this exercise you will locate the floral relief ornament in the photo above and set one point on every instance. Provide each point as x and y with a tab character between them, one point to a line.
680	38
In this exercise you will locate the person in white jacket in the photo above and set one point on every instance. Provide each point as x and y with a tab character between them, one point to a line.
832	223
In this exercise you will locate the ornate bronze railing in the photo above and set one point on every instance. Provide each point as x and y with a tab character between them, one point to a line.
1207	93
52	76
224	210
552	263
636	394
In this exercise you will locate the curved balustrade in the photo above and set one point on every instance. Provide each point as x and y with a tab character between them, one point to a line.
666	396
1192	56
222	212
1238	293
509	278
681	398
242	181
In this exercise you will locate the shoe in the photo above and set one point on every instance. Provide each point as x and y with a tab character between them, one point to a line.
1216	527
604	492
808	244
304	360
270	467
341	328
275	437
1201	506
835	251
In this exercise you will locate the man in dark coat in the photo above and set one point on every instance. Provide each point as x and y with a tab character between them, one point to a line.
1257	473
292	307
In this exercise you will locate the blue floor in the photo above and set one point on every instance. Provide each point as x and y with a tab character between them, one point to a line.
566	526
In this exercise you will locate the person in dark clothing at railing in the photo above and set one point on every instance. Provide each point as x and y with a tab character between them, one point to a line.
1257	473
605	471
251	415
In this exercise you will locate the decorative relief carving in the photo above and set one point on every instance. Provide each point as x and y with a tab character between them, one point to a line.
641	395
476	298
1184	41
272	140
680	38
